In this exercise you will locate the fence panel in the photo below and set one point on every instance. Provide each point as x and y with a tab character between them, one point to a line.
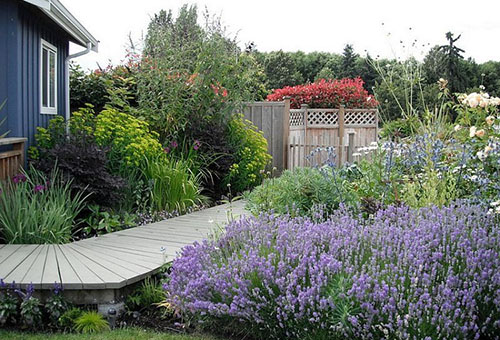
12	160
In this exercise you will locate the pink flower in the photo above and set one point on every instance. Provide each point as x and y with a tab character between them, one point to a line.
196	145
174	144
224	93
166	150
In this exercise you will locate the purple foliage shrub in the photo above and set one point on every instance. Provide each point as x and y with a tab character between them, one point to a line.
432	273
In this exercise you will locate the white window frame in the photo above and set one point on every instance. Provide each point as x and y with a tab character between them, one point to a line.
51	110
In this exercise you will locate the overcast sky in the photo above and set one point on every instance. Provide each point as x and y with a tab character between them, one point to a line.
377	26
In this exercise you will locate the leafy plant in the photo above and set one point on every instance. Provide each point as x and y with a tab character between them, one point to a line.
38	209
8	305
174	186
91	322
30	309
56	305
150	292
251	154
67	321
102	222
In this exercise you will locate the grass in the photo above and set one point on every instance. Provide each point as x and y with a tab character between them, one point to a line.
118	334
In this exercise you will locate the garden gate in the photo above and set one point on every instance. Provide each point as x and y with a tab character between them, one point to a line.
292	134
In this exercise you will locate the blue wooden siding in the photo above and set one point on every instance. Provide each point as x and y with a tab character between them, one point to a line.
26	26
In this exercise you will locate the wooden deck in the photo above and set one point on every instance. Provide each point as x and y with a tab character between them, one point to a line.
111	261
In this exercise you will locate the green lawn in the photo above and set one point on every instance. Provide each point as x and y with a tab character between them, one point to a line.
119	334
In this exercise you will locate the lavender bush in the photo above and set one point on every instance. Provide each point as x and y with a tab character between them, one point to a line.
432	273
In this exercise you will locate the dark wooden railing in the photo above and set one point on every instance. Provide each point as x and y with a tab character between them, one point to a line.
11	161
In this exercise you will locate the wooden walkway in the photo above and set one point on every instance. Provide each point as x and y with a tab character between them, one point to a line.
111	261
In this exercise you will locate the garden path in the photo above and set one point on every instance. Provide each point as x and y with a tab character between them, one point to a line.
114	260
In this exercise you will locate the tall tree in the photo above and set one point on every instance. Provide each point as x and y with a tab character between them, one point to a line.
349	58
453	58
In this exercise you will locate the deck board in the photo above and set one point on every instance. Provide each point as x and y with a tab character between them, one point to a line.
113	260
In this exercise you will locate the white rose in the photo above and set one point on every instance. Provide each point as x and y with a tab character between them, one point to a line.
472	131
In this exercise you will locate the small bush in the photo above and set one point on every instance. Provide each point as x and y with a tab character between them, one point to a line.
8	305
30	309
151	292
299	192
91	322
251	154
35	208
67	321
327	94
56	306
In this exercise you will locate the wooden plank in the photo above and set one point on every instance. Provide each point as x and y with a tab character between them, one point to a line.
50	273
21	273
15	258
88	279
257	115
69	277
109	278
267	128
277	135
8	250
166	236
146	262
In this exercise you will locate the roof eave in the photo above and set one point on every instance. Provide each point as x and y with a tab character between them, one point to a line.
62	17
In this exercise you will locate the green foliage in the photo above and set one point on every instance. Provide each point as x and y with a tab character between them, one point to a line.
31	313
174	186
8	307
149	293
299	192
281	70
67	321
251	154
91	322
189	73
430	188
38	209
129	139
56	306
399	128
100	221
86	88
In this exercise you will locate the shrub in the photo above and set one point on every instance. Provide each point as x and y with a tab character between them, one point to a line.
174	186
129	139
85	165
91	322
35	208
327	94
299	192
251	154
431	273
67	321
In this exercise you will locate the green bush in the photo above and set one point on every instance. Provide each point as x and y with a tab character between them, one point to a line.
251	154
91	322
173	185
67	321
151	292
129	138
300	191
35	208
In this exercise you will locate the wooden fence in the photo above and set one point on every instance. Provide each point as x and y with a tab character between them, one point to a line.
292	134
12	160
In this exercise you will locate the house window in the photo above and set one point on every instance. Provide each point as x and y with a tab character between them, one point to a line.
48	78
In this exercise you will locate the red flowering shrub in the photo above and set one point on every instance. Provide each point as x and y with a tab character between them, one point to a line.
327	94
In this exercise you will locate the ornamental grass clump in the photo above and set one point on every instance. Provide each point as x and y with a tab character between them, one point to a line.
431	273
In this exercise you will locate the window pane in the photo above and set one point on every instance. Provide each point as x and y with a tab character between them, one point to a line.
44	77
52	79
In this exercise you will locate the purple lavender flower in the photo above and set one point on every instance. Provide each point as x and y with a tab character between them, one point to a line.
428	273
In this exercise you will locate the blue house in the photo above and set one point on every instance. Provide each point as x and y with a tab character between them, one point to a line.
34	63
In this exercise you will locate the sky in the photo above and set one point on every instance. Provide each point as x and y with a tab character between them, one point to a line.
385	28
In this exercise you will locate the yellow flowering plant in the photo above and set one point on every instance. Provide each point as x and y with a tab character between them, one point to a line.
251	154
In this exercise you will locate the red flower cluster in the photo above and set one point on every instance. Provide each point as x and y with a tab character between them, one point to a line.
327	94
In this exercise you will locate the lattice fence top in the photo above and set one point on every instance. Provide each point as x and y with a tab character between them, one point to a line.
330	117
322	117
296	117
360	117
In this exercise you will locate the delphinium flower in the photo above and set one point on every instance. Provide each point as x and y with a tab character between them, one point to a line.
432	273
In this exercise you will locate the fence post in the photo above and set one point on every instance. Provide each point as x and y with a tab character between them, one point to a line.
350	147
286	132
304	107
341	133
